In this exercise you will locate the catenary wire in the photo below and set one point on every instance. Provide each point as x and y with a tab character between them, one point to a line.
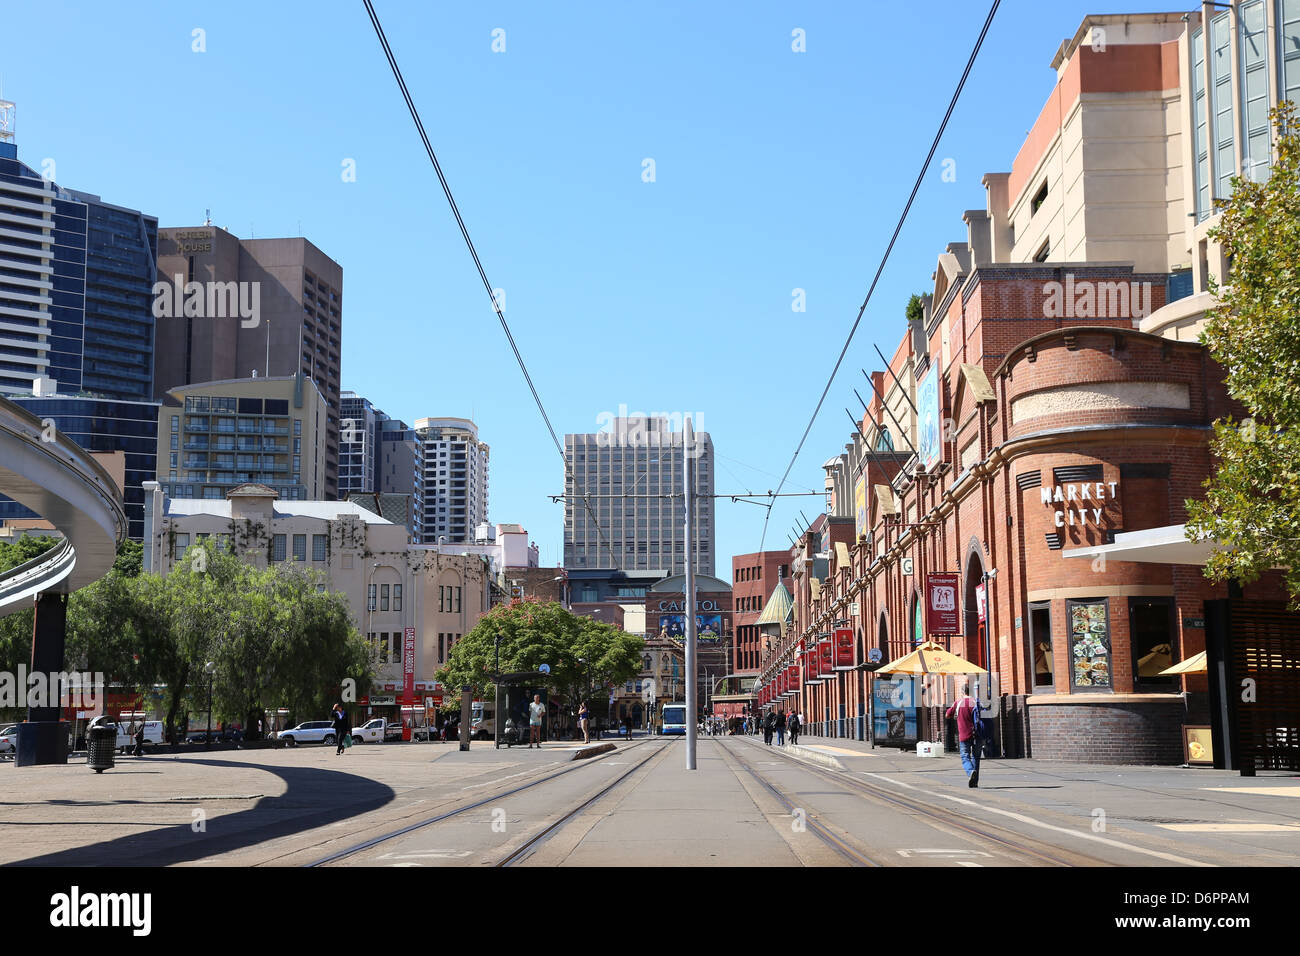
478	264
916	187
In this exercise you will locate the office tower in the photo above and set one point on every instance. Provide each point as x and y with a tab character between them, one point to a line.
625	522
399	468
265	307
454	479
76	285
213	436
358	444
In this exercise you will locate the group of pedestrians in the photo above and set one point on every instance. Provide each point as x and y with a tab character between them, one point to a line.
777	723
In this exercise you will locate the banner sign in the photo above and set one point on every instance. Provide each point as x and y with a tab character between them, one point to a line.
825	657
843	648
793	679
941	613
930	447
408	664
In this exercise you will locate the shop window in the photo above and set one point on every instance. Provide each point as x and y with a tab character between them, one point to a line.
1089	643
1040	634
1152	639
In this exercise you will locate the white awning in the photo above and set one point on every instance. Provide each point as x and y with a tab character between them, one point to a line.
1167	545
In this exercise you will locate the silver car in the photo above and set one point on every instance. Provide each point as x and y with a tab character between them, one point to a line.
309	732
9	739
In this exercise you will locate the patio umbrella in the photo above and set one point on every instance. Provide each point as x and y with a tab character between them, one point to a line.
930	658
1193	665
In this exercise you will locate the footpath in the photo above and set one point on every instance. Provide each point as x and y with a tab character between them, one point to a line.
1254	819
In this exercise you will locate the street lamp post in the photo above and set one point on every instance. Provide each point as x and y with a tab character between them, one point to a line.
211	668
496	728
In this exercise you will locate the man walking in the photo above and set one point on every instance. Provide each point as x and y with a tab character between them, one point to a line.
341	728
964	709
769	726
780	728
793	726
536	711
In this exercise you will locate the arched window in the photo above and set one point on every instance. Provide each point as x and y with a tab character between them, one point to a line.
884	441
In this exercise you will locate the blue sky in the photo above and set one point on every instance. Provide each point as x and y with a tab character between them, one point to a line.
774	171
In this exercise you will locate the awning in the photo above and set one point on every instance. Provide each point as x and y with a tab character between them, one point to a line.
1166	545
1193	665
842	555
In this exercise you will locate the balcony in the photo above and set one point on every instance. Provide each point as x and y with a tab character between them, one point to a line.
275	430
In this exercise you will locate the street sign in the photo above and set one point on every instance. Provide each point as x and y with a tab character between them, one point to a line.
906	565
941	612
545	668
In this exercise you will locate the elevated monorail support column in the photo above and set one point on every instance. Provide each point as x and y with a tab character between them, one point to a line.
43	738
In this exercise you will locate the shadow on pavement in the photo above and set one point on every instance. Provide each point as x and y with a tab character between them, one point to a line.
312	798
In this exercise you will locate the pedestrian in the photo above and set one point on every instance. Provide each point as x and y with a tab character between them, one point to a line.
341	728
780	728
967	745
769	727
536	713
794	727
584	719
139	740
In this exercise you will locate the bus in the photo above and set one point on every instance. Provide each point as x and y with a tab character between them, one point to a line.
674	719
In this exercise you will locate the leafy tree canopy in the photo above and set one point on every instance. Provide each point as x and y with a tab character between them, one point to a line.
1252	501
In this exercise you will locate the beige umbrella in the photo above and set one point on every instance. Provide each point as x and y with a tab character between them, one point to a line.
1193	665
930	658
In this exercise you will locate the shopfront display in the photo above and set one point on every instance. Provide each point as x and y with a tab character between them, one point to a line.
1089	645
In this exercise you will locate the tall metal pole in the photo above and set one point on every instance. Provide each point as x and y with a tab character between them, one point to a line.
688	476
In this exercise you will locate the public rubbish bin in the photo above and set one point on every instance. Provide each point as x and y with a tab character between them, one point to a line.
101	743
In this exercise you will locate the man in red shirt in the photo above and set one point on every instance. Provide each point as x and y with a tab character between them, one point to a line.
964	709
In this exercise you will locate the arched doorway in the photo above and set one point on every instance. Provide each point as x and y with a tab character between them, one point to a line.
976	642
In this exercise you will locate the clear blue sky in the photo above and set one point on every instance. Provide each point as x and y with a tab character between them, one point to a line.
774	170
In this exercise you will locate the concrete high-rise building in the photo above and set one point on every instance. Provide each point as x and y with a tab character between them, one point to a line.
399	468
641	459
76	284
358	444
454	479
214	436
265	307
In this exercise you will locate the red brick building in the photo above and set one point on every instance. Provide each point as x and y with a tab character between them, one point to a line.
753	577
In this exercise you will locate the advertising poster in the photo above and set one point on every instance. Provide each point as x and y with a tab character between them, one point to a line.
942	615
893	708
1089	643
708	627
843	648
930	447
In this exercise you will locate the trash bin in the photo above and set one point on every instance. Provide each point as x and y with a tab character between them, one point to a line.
101	742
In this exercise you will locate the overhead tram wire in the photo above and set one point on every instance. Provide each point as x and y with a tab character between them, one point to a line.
907	208
478	264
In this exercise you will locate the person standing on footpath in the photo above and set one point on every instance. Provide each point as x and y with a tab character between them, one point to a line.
964	709
584	719
793	726
780	728
536	711
769	726
341	727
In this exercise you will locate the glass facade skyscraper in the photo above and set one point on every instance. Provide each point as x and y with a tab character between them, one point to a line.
76	288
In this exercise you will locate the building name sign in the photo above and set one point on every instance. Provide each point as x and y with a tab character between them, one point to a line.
186	241
1084	502
699	605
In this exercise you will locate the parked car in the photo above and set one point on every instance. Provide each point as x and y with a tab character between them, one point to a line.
9	739
309	732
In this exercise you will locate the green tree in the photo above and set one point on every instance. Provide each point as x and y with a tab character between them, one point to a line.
1252	501
583	655
915	308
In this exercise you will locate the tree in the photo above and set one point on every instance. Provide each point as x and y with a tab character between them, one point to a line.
1252	501
915	308
582	654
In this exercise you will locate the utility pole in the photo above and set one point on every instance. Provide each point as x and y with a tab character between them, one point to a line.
688	476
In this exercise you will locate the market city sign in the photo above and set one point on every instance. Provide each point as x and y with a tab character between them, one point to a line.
1084	501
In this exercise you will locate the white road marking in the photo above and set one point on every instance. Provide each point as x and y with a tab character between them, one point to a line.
1261	791
1231	827
498	780
434	854
908	853
1171	857
968	863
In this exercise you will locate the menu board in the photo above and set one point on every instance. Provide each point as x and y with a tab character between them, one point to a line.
1089	644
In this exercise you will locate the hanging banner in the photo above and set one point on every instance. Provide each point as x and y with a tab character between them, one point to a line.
408	665
930	445
941	612
826	656
981	601
794	678
844	649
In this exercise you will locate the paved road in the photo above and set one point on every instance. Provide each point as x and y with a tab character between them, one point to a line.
827	804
